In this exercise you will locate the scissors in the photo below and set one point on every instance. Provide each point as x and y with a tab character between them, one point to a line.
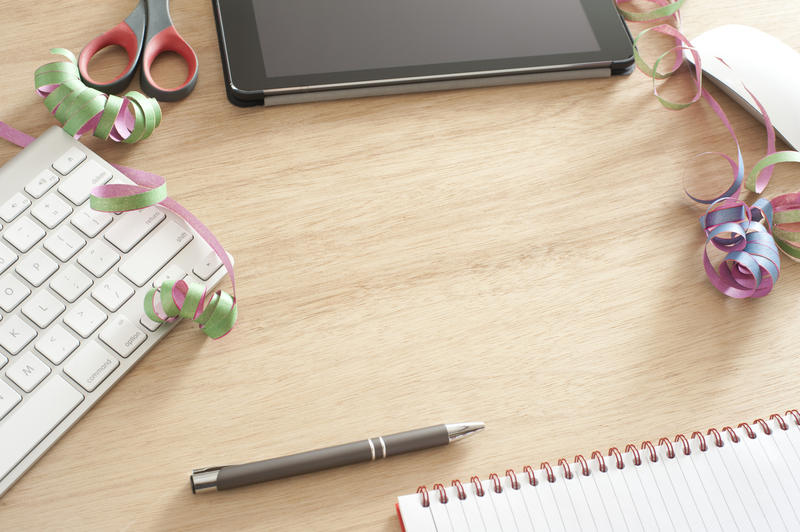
145	34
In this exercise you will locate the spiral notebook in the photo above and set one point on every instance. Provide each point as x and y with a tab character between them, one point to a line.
743	478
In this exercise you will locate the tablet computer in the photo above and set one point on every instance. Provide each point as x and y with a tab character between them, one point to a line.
289	51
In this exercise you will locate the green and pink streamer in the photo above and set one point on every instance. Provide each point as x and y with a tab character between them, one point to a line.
173	299
81	109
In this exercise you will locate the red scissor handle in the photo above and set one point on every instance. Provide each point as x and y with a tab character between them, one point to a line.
129	34
168	40
163	37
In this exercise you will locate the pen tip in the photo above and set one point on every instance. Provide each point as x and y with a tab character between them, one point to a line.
457	431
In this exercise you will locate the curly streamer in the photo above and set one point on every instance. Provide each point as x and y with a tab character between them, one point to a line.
173	299
787	223
81	109
178	299
752	263
749	235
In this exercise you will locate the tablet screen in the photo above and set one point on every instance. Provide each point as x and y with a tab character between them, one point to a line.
300	37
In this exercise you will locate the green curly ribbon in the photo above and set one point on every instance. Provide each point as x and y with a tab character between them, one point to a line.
753	183
179	299
81	109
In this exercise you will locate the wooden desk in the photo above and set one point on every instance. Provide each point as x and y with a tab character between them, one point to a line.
522	255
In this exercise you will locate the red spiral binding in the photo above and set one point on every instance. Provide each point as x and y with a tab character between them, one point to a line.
687	449
732	434
442	493
699	434
618	456
748	429
550	476
498	486
565	466
764	426
462	494
584	466
670	449
717	437
780	421
631	448
513	478
613	451
652	449
531	477
426	500
600	460
478	486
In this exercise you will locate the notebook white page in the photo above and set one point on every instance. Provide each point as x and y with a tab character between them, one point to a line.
749	484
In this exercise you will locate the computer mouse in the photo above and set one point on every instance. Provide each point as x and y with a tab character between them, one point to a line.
768	67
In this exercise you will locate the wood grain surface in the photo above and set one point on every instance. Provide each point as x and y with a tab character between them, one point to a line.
524	256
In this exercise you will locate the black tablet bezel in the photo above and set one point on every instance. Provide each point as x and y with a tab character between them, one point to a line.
246	77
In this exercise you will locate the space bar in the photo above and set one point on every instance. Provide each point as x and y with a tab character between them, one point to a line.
27	425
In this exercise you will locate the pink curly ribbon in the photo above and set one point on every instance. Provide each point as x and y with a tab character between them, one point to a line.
747	234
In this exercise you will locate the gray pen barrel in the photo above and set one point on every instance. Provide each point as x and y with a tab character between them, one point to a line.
339	455
296	464
416	440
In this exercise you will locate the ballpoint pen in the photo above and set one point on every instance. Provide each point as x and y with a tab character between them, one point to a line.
234	476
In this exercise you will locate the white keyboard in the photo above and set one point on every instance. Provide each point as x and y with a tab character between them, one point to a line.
72	285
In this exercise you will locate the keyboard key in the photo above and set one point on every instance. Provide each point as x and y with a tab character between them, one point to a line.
43	308
131	227
64	243
149	324
77	187
151	256
3	361
173	272
26	426
91	222
122	336
51	210
84	318
90	365
56	344
40	184
67	162
23	234
208	266
112	292
15	334
8	400
12	292
70	283
7	257
14	207
36	267
98	258
27	371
